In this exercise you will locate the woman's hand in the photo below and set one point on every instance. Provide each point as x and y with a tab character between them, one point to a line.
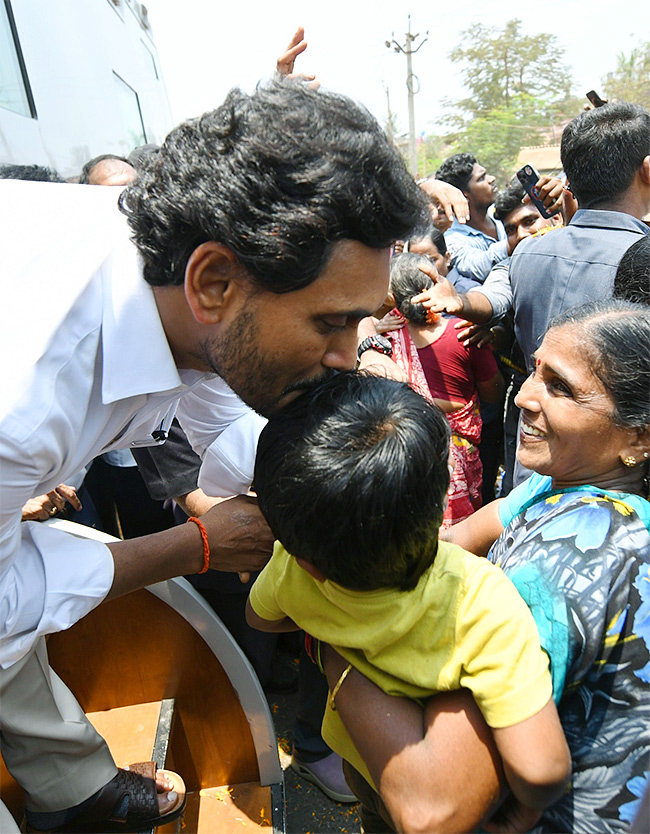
297	46
367	327
391	321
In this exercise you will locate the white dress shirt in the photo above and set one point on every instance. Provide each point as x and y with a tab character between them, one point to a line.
86	368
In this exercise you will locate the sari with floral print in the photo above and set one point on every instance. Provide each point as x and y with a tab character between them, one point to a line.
581	561
464	496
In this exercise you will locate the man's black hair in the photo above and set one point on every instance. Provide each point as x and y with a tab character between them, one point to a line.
508	199
407	280
352	477
278	177
35	173
457	170
602	150
84	176
140	156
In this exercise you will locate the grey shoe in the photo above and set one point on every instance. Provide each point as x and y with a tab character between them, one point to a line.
326	774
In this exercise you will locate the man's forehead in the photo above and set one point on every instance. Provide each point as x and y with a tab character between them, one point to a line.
352	283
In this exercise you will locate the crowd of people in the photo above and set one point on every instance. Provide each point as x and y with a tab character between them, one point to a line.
432	397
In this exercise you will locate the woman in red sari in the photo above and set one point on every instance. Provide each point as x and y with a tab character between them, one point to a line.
443	369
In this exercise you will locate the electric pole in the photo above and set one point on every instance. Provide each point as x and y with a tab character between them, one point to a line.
389	123
408	50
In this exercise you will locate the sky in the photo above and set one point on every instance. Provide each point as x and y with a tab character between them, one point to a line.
206	47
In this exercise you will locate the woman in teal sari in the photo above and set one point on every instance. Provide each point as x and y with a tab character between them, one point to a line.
575	540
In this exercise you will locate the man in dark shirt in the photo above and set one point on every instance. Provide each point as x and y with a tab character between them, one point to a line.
606	156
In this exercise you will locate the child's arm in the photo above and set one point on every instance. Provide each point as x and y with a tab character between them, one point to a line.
536	757
255	621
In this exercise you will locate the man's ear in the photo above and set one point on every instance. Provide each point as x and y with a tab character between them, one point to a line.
211	281
645	170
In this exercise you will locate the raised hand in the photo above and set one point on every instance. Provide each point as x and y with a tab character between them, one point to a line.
442	296
448	199
285	63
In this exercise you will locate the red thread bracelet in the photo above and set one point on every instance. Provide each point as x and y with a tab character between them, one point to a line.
206	543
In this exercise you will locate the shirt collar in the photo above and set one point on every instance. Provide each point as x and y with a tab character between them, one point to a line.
598	218
136	356
466	229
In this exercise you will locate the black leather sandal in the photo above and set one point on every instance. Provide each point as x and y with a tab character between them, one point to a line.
129	802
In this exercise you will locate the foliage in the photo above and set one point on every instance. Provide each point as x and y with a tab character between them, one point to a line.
630	81
501	66
518	85
495	139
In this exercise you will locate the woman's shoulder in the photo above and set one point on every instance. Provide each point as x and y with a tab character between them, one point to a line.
536	498
513	503
585	532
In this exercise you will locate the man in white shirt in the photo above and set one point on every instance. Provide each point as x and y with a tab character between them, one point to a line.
261	238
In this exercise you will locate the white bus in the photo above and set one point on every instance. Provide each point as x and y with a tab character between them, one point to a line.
78	78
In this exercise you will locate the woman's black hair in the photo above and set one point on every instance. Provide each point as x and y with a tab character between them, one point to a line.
407	280
435	236
632	281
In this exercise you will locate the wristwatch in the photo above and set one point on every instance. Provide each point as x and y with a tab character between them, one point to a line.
379	343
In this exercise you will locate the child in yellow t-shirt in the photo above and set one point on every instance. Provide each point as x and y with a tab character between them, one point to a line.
352	479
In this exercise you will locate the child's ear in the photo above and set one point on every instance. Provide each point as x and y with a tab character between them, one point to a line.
311	569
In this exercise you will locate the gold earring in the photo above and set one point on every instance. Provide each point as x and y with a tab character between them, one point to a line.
630	460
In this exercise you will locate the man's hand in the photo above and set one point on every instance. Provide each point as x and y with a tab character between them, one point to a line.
240	539
474	334
556	197
450	200
285	63
441	297
45	506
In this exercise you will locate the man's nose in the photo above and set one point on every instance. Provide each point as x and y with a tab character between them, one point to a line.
341	351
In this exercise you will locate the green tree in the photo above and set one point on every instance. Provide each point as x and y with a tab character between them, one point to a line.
518	85
500	65
630	81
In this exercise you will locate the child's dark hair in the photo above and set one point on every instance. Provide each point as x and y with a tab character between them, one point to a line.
352	477
407	280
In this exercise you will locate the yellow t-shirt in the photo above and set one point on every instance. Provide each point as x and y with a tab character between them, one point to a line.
463	625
